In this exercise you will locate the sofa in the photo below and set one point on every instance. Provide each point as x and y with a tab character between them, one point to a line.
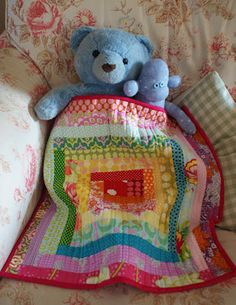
196	38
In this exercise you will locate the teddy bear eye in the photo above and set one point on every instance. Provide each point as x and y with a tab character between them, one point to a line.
155	85
125	61
96	53
161	84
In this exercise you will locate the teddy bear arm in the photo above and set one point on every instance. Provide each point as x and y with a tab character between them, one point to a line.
50	105
55	101
182	119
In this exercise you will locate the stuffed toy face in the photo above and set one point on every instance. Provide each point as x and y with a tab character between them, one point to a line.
153	82
152	86
109	56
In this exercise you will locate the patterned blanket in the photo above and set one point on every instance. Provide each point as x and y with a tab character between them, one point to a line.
131	199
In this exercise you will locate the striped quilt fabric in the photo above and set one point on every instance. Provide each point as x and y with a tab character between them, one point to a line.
130	198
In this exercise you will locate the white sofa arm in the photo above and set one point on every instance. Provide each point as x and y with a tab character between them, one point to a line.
22	140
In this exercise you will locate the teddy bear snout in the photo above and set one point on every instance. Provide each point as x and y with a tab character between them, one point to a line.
108	67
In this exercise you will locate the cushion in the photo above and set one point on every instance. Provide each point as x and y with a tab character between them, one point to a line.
213	106
22	139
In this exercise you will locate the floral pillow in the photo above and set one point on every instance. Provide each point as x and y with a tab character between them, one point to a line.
22	139
195	37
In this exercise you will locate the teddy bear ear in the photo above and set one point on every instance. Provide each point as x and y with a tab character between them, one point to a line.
146	42
78	35
174	81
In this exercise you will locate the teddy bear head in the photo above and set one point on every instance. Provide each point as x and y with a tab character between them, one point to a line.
108	56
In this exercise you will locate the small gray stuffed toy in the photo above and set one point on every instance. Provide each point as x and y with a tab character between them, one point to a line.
152	86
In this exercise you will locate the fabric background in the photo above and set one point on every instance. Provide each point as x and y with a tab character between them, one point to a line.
22	138
195	37
2	16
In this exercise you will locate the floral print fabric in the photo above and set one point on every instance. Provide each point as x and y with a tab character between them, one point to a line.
22	139
195	37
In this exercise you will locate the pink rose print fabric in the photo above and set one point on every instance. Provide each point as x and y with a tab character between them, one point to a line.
23	139
195	37
43	17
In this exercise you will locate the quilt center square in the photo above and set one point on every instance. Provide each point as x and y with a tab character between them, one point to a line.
131	191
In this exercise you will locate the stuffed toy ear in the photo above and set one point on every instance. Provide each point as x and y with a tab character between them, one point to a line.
146	42
78	35
174	81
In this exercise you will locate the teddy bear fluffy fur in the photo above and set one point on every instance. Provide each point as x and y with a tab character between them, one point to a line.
104	59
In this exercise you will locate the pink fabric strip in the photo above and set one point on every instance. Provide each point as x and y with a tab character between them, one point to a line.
201	186
196	207
110	256
196	253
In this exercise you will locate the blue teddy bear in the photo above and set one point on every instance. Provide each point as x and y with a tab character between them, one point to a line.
152	86
104	59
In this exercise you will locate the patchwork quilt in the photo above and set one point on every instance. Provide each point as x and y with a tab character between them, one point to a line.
131	198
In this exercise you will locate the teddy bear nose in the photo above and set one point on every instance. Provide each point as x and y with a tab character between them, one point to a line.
108	67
